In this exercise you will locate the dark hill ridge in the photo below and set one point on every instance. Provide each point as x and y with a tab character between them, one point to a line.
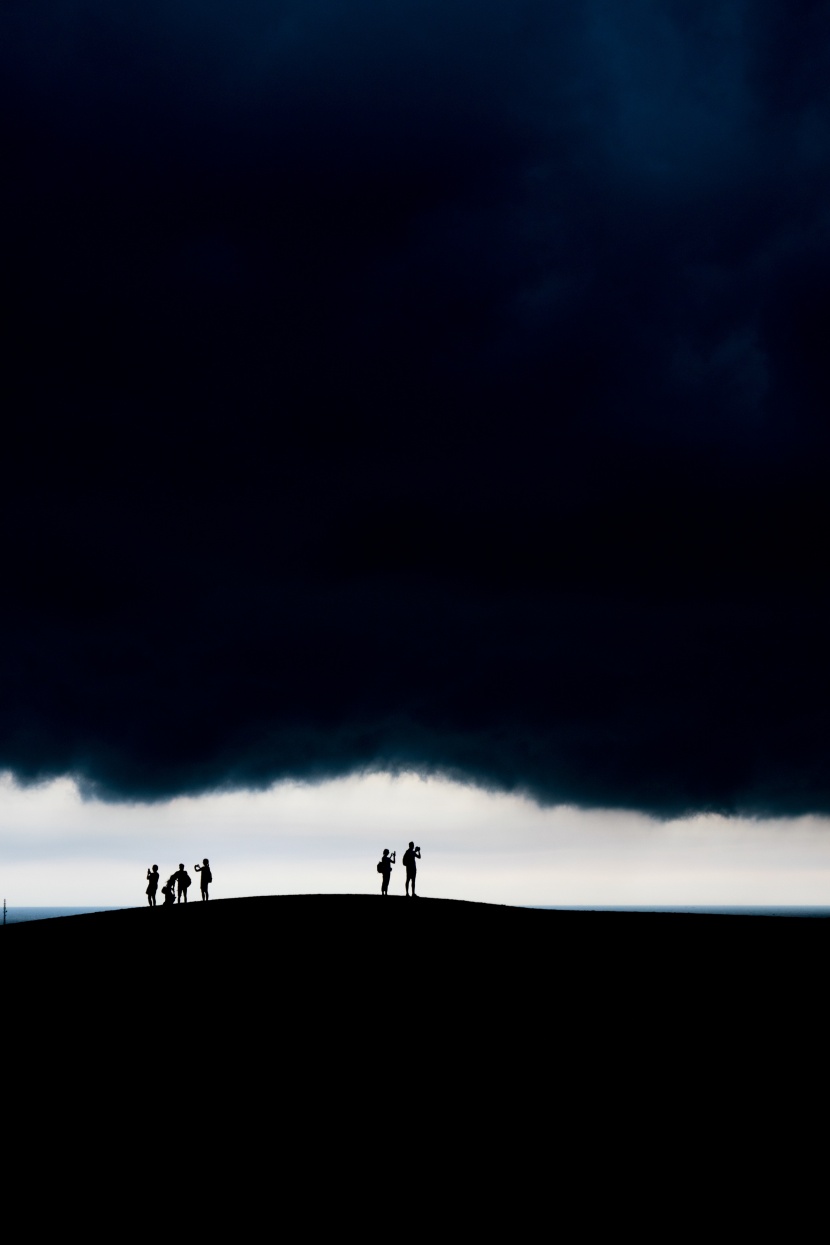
448	942
244	927
255	907
371	1002
350	916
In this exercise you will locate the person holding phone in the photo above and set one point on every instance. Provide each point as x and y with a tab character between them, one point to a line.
152	885
385	869
412	854
206	877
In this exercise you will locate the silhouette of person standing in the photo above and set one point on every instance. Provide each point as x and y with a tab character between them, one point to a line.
183	882
206	878
385	867
152	885
411	854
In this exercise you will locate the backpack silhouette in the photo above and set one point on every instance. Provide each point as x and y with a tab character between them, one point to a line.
380	866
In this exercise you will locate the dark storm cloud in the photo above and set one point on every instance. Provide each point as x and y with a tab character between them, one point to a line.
435	384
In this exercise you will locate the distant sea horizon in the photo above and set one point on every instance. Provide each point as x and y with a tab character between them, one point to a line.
791	910
16	915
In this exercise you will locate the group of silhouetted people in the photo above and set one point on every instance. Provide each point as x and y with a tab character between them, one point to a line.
386	862
176	887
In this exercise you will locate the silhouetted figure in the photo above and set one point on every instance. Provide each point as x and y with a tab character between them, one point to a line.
152	885
411	854
169	890
385	867
206	878
183	883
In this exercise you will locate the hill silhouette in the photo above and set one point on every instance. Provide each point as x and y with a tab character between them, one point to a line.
397	958
323	1039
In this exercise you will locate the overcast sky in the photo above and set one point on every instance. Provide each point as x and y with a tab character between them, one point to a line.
434	385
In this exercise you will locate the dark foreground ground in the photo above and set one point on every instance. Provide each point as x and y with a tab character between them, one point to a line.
331	1059
330	966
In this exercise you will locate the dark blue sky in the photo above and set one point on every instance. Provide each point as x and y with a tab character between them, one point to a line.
438	384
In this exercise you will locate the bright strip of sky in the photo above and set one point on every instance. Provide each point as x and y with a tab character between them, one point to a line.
56	849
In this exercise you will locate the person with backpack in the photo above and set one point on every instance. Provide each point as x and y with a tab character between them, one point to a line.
385	867
206	878
183	881
152	885
412	854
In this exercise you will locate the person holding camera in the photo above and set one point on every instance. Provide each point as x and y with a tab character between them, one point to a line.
206	878
152	885
385	867
412	854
